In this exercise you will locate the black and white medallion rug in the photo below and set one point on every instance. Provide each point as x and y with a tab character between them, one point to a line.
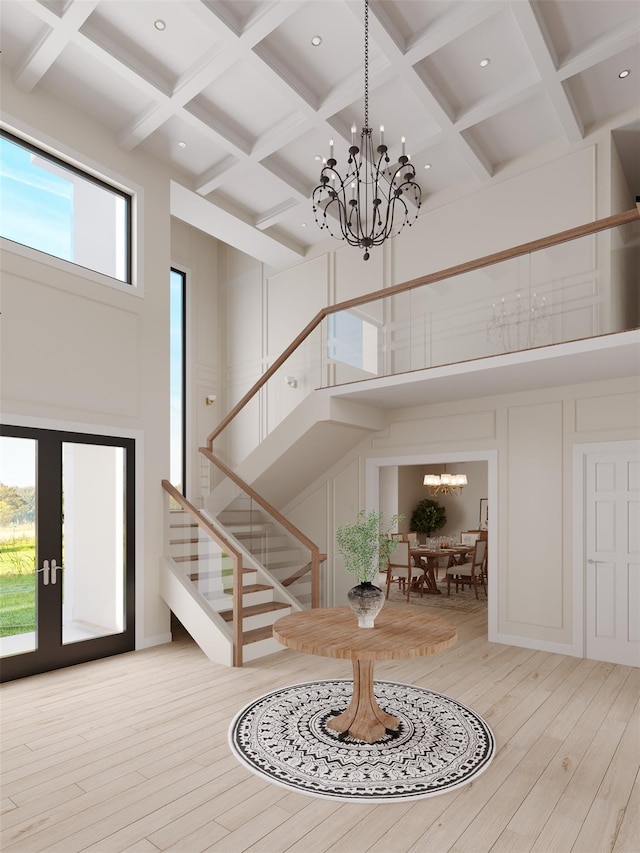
440	744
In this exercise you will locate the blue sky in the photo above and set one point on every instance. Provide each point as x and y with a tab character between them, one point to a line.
17	461
175	333
36	206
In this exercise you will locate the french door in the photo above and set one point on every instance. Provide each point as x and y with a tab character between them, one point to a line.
67	572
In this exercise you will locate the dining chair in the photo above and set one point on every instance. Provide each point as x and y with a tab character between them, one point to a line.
471	572
412	539
400	569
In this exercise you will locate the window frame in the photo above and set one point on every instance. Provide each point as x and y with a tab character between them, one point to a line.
183	373
90	177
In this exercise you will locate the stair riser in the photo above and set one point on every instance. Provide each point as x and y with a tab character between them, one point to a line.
219	601
260	649
261	597
263	619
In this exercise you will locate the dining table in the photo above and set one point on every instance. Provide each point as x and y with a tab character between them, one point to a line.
426	559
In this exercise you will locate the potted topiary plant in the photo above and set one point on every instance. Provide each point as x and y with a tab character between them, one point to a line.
428	516
365	547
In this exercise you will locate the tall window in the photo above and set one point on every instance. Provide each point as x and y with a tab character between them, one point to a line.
54	207
178	466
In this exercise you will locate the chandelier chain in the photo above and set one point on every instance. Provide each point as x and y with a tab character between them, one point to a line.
366	63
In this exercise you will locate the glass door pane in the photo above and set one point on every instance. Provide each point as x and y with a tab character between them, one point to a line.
94	541
17	545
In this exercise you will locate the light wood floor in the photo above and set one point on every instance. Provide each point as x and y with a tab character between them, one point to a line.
130	753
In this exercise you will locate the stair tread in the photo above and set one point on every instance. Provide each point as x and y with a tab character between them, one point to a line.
257	634
255	609
256	587
197	576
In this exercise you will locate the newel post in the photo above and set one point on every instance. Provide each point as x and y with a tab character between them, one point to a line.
237	611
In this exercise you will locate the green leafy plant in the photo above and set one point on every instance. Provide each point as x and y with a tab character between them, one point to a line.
428	516
365	545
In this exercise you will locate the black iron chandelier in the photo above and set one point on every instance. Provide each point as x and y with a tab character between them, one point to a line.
374	200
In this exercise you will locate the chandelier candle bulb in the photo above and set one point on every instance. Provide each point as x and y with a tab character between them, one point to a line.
331	148
381	134
403	146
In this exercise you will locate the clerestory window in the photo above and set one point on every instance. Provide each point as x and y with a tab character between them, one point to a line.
58	209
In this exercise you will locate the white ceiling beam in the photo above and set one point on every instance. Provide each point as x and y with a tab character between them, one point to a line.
451	25
604	47
51	45
519	90
214	177
212	219
276	214
426	92
539	44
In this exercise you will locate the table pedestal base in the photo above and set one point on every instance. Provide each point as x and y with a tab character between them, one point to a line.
364	719
430	585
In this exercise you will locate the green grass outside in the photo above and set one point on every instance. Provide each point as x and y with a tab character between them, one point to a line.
17	585
18	558
18	611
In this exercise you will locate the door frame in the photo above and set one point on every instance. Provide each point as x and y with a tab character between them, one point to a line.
106	431
580	453
372	501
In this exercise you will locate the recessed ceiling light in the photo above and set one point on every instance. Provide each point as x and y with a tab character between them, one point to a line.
484	62
624	74
303	224
181	144
160	24
317	157
316	41
427	165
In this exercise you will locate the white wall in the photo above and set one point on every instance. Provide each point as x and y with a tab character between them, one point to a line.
80	353
532	437
444	322
196	254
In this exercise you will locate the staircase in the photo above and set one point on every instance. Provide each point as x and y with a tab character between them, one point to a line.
286	560
197	583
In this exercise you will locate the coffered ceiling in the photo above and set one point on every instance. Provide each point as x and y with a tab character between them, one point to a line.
235	98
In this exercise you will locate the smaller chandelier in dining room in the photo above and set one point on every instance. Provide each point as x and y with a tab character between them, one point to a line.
445	484
371	200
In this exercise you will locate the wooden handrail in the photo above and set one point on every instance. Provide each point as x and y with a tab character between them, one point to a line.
431	278
301	572
180	499
238	613
585	230
281	519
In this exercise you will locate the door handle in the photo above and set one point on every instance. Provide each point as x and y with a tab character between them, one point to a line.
591	562
54	571
49	572
45	572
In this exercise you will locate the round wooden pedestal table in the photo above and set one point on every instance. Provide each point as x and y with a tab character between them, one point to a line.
333	632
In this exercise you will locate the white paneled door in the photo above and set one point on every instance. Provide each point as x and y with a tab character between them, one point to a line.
612	553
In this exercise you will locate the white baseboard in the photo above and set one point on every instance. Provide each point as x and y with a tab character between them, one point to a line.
538	645
158	640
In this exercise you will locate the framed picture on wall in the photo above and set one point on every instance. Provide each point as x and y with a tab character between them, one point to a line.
484	514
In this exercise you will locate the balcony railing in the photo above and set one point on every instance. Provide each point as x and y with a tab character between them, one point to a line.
568	286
